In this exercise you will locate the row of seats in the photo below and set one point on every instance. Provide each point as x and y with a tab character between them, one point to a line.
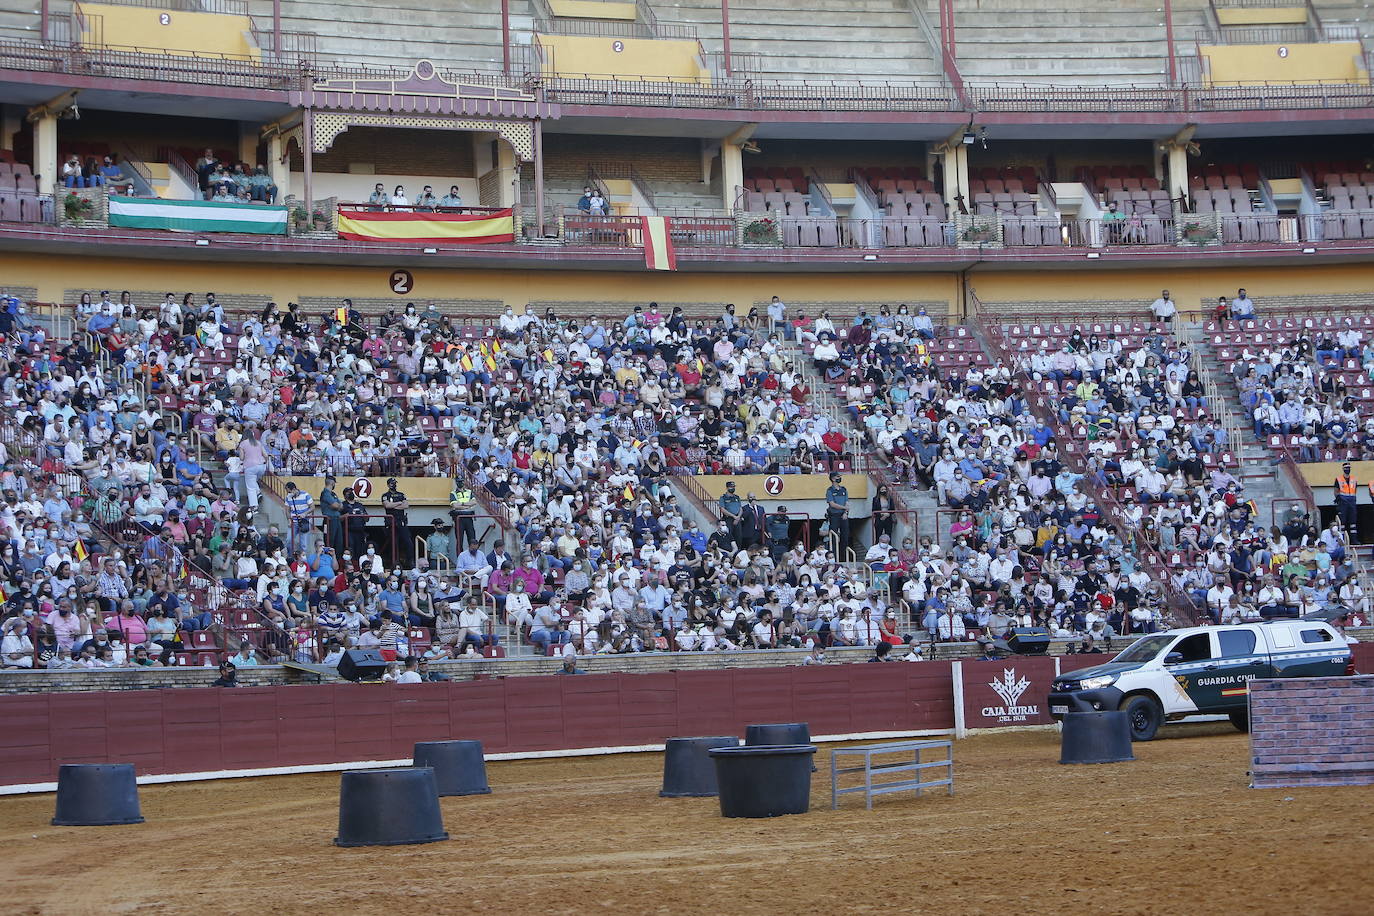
1020	204
25	208
914	204
17	178
1222	201
790	203
1347	179
1144	203
769	185
997	186
1352	197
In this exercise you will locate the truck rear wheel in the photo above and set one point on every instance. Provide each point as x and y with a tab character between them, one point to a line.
1241	720
1145	716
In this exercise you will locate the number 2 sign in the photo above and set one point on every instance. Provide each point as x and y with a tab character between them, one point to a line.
401	282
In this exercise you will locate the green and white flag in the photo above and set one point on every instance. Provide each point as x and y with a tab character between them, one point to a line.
196	216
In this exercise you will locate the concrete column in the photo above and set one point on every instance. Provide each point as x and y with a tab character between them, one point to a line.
279	165
731	174
1178	170
248	143
45	163
308	158
505	161
10	124
539	176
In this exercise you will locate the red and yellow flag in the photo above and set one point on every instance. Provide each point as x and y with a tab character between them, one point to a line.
658	243
341	315
430	228
80	550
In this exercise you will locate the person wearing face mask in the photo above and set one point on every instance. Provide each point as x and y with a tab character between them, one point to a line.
16	648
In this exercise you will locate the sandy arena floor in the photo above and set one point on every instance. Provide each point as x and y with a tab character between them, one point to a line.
1177	831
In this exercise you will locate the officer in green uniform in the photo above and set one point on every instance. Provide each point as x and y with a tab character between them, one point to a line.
778	527
462	508
331	507
730	507
837	510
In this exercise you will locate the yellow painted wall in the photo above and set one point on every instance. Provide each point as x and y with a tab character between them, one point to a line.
137	27
1276	15
592	9
794	486
420	491
52	274
1188	287
576	55
1306	63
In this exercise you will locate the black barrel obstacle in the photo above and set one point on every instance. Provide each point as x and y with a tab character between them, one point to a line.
394	807
688	771
96	795
459	766
777	734
1096	737
764	780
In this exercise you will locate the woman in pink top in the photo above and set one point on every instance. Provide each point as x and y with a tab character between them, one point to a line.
254	464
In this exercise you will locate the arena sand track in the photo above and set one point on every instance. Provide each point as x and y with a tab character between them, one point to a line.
1177	831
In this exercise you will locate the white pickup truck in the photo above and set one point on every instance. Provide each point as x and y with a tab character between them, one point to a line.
1200	671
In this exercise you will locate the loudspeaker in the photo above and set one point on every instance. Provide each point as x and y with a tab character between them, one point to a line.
362	665
1024	641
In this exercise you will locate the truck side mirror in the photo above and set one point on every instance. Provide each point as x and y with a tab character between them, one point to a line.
1173	658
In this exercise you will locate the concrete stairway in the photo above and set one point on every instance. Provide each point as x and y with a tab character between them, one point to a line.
1263	481
1089	44
19	24
815	39
462	35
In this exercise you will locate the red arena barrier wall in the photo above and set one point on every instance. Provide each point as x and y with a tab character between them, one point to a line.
211	730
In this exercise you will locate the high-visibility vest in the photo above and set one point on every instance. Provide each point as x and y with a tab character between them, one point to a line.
1346	486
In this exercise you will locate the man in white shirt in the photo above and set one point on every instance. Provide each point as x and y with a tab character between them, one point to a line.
411	675
1164	308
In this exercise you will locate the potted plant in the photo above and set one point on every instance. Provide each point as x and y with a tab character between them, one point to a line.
761	232
300	218
76	207
980	233
1198	233
320	220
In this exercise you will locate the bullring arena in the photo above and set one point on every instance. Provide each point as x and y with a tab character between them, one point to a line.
560	835
400	397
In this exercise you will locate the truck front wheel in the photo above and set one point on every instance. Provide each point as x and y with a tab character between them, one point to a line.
1145	716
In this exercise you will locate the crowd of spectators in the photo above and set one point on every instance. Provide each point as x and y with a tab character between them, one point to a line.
240	182
134	465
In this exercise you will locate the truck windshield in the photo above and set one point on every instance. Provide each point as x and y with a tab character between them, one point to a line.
1145	649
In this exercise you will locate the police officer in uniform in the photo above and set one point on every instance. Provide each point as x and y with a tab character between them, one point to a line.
729	504
331	507
837	511
462	504
356	515
779	528
395	504
1347	492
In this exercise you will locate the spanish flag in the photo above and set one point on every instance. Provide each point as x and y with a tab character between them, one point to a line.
548	355
466	363
629	493
341	315
429	228
4	593
658	243
80	550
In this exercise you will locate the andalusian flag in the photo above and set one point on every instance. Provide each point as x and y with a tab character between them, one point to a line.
658	244
80	550
427	228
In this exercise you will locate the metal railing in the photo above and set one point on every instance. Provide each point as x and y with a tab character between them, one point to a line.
1188	336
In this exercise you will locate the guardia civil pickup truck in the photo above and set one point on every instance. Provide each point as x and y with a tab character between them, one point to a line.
1200	671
